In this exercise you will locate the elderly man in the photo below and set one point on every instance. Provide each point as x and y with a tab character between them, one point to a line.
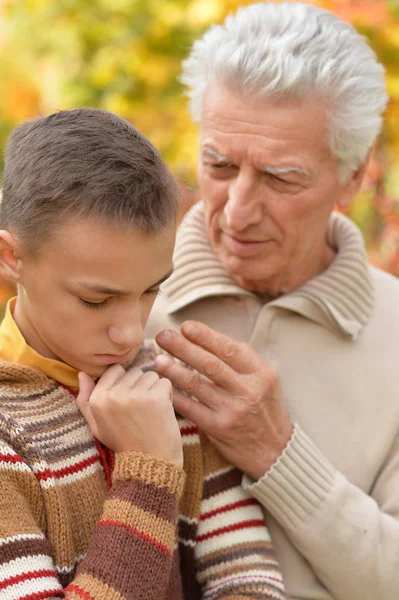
303	393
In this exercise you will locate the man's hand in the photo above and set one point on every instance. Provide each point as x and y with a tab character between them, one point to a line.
132	411
238	401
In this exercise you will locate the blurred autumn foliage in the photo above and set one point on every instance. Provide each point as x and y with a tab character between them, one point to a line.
125	56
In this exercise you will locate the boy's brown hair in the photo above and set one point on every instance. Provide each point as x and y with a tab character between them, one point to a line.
83	162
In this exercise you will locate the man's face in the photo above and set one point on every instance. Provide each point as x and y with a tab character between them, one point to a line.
85	298
269	184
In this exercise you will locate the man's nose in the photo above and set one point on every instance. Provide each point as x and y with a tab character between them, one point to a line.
243	207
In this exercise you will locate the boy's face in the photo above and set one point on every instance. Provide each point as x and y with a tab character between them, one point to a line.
86	295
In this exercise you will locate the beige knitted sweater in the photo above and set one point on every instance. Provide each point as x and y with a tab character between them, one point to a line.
334	494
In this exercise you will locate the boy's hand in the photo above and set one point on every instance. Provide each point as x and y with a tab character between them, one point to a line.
132	411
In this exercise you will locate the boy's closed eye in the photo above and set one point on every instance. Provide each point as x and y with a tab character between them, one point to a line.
103	303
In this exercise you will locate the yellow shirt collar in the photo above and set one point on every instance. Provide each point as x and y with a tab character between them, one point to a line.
13	348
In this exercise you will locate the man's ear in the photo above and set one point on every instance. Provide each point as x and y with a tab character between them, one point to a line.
352	185
10	257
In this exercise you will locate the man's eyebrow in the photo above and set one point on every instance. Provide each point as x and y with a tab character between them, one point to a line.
267	169
287	169
215	154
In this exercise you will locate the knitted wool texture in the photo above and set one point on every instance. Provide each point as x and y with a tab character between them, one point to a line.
150	537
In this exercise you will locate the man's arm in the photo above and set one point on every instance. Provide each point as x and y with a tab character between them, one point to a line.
351	539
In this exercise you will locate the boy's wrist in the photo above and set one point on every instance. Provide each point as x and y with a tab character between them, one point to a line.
149	469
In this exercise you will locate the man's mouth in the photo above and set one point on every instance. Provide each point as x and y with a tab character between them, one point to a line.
242	246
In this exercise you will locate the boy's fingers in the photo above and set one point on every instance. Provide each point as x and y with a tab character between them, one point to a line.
146	381
164	386
86	386
110	377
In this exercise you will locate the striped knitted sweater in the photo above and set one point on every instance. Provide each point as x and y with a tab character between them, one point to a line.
65	533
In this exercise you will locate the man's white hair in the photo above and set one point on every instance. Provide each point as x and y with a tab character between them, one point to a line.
296	49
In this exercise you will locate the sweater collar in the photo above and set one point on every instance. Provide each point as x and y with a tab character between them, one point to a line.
341	297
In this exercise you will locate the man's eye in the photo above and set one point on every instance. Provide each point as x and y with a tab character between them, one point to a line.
280	179
93	304
220	165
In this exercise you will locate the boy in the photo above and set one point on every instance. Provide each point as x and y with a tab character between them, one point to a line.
88	225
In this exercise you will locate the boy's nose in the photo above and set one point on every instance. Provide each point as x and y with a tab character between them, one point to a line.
126	337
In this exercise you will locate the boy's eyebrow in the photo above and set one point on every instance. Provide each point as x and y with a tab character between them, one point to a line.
103	289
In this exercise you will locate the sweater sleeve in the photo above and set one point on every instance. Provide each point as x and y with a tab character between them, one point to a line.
350	538
133	539
234	554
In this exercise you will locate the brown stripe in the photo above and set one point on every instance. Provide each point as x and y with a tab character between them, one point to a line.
69	452
222	483
227	569
146	496
49	402
159	529
248	590
23	548
264	549
187	531
129	564
49	425
191	587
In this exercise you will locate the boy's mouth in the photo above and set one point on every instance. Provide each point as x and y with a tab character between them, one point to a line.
110	359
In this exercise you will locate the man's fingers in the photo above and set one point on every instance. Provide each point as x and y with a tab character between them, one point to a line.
239	356
194	411
189	381
199	359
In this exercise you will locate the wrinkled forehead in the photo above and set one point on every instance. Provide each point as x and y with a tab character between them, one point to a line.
231	120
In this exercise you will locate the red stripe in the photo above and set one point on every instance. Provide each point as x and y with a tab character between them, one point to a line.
234	505
25	576
240	578
80	466
41	595
144	536
78	590
188	430
11	458
107	459
228	528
